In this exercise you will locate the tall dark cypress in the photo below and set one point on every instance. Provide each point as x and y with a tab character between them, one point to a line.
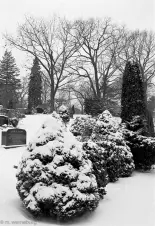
35	86
133	100
9	72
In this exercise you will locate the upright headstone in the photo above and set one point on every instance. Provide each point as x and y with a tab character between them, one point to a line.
13	137
4	120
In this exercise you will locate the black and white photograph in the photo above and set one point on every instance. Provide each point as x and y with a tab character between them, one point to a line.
77	112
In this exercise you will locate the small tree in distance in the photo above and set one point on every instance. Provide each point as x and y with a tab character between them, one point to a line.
35	86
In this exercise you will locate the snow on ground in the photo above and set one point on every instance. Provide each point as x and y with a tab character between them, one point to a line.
129	202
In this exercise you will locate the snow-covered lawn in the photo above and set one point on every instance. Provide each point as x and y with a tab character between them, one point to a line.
129	202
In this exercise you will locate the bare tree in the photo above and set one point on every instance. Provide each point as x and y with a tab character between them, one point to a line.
100	44
23	92
108	64
52	43
139	46
81	91
61	99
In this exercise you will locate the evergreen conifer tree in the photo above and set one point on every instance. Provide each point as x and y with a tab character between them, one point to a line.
133	100
9	72
35	86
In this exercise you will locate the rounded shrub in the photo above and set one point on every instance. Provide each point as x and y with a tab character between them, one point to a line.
97	156
142	148
82	127
138	125
118	156
55	177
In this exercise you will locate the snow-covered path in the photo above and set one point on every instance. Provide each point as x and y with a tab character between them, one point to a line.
129	202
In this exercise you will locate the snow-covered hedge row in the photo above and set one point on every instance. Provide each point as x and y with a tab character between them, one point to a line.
122	142
55	177
104	131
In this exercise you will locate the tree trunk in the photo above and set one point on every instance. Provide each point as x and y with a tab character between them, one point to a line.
145	90
144	83
97	82
52	99
52	94
104	88
82	109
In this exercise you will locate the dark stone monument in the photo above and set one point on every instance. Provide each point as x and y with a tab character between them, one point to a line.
4	120
14	137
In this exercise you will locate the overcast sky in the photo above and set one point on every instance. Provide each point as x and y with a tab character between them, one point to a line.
134	13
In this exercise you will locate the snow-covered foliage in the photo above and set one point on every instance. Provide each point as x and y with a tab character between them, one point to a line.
64	113
55	177
118	155
122	197
63	108
97	156
82	127
55	115
108	119
14	121
138	124
142	148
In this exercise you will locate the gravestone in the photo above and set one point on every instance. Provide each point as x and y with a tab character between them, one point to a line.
4	120
13	137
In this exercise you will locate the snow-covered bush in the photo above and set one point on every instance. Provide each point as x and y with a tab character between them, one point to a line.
109	120
142	148
118	155
55	176
55	115
96	155
82	127
64	113
14	122
138	124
